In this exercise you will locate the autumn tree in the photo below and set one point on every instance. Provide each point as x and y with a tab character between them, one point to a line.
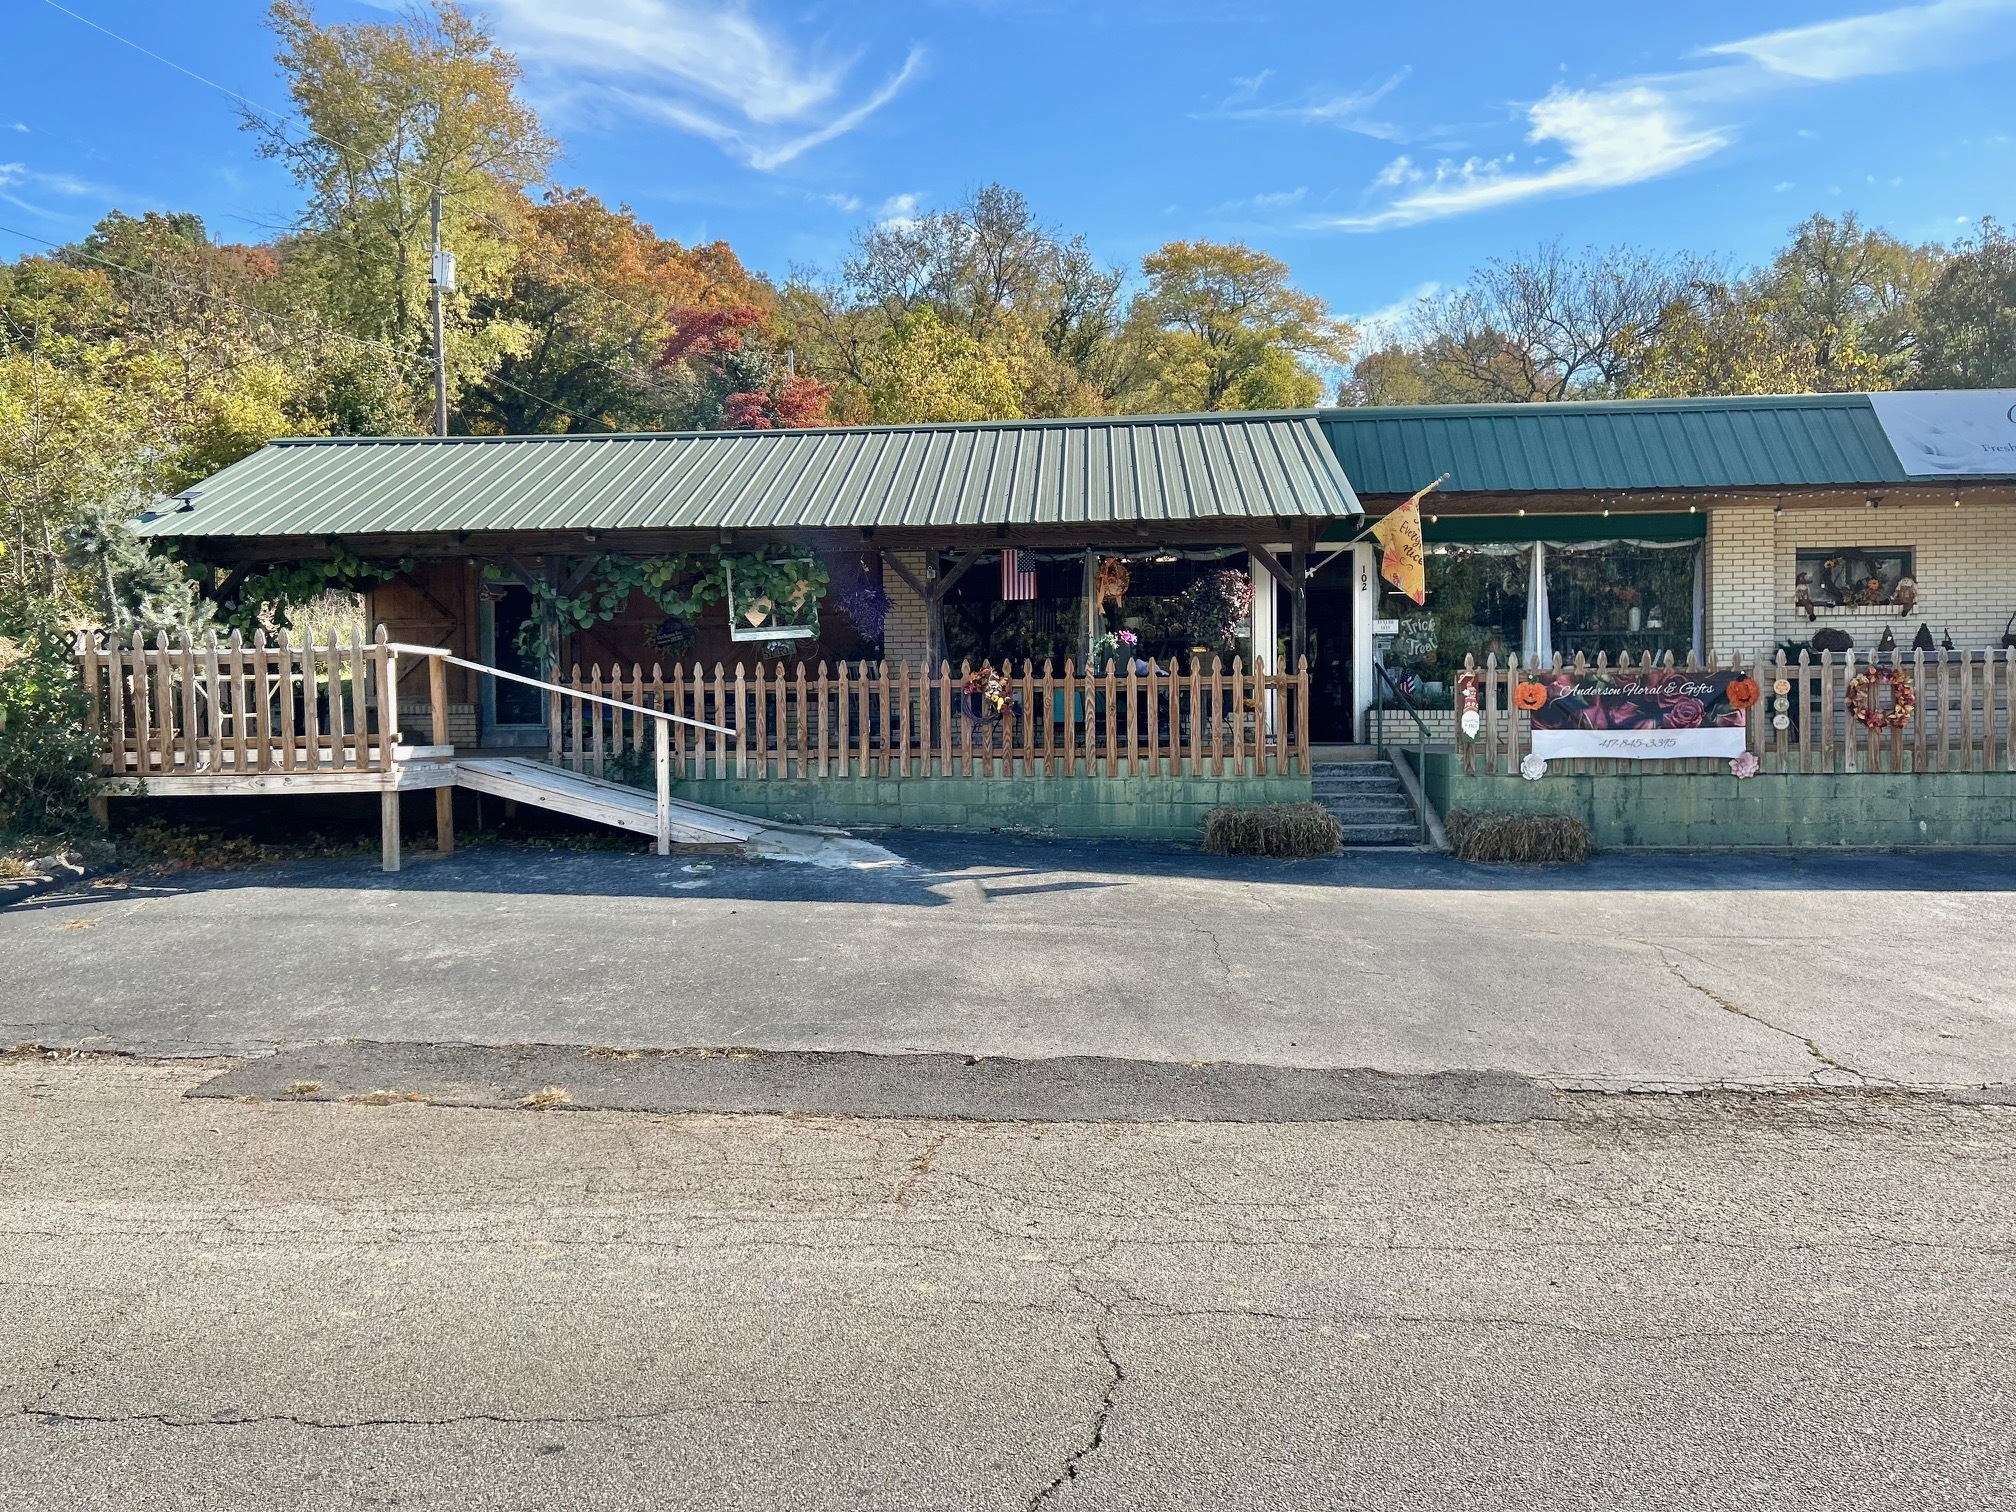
1020	302
597	296
1221	327
727	374
394	110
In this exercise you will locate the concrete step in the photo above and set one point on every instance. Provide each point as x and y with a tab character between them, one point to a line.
1381	834
1350	785
1350	768
1364	794
1399	812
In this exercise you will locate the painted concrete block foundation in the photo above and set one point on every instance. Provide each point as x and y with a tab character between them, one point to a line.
1844	810
1143	807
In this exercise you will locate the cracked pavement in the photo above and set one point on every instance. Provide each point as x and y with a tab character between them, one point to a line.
1802	1300
1635	972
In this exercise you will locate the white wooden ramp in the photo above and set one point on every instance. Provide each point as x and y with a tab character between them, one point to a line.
549	787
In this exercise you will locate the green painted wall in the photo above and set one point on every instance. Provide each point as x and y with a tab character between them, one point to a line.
1165	808
1847	809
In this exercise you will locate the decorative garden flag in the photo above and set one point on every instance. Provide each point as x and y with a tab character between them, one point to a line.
1018	580
1400	552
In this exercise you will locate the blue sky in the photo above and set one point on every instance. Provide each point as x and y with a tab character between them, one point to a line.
1380	150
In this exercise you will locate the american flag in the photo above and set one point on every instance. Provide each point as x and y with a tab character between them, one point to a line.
1018	580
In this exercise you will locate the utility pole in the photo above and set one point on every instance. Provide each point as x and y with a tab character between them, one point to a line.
441	280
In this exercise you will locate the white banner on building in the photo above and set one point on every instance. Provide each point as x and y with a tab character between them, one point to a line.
1947	433
1637	745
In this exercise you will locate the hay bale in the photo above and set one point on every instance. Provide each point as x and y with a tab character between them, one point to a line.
1272	829
1529	839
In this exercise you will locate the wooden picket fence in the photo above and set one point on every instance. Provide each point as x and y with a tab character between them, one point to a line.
225	707
899	720
1964	719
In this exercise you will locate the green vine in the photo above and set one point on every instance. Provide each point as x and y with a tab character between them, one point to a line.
279	590
681	585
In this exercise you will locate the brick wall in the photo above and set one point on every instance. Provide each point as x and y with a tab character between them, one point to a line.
1965	565
906	632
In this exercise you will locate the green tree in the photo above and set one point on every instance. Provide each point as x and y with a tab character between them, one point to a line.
1842	294
1966	318
924	371
1221	327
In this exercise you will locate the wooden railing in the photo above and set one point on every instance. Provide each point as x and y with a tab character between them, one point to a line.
225	707
897	720
1963	720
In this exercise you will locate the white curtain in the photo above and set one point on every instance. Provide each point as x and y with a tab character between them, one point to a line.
1539	642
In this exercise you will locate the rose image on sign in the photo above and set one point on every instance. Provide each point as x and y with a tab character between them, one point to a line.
1655	714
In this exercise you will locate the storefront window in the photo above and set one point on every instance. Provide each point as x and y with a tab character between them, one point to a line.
1163	608
1603	598
1618	598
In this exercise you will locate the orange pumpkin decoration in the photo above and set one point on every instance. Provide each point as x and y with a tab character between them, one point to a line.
1530	696
1744	693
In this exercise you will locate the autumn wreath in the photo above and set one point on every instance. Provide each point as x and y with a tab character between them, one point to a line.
1744	693
1529	696
1861	698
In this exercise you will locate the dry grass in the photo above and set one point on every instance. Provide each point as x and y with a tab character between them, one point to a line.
383	1098
547	1097
1531	839
303	1088
1272	829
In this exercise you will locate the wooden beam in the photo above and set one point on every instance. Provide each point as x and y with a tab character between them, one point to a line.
1272	563
896	563
959	568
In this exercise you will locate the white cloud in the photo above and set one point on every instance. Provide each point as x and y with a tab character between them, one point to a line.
1280	199
1608	137
1782	185
716	71
1887	42
1383	324
898	212
1325	108
20	175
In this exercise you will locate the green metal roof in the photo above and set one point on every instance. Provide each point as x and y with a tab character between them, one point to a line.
1650	444
1051	472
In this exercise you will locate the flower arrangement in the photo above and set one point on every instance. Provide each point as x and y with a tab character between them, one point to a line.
987	695
1114	645
1744	765
1860	698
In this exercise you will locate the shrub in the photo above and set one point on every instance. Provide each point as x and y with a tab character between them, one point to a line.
1272	829
48	761
1530	838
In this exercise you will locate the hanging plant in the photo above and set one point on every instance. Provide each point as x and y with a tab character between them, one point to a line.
773	595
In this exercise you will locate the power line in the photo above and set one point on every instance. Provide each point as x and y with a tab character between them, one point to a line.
277	118
274	117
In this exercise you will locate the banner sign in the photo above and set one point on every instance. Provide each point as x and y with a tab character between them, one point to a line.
1950	433
1640	715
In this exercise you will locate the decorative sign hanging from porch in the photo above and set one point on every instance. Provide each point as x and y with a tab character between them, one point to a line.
1640	715
776	602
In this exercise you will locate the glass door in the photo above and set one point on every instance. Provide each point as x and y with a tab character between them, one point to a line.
513	714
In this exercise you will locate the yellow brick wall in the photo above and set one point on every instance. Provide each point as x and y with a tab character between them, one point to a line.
906	630
1965	564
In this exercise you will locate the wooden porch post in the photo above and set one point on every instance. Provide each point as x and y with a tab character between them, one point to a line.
388	824
444	797
1298	572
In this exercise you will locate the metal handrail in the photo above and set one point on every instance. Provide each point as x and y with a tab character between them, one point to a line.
660	732
534	682
1420	725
